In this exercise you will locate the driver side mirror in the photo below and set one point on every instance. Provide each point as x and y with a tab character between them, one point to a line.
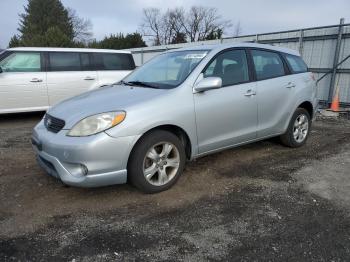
1	70
208	83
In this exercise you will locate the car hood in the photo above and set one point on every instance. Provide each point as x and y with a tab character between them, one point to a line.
106	99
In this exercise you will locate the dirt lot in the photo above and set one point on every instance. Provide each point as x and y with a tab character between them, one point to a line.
258	202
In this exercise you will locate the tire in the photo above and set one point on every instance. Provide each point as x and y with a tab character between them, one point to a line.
157	153
290	138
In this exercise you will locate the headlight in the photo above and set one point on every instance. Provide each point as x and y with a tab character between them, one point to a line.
97	123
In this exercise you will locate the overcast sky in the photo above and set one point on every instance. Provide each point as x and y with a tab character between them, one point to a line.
255	16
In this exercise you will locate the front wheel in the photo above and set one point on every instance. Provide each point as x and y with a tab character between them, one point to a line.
156	162
298	129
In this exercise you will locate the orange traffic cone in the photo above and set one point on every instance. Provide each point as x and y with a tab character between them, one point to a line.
335	102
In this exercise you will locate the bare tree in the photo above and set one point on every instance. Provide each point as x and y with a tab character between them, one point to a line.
200	22
176	25
82	28
152	25
176	17
237	29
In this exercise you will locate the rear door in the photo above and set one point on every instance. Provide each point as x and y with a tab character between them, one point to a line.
228	115
113	67
275	91
22	82
69	74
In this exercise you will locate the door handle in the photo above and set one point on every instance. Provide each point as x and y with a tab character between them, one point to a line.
250	93
89	78
290	85
36	80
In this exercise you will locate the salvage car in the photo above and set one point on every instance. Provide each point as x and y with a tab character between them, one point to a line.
181	105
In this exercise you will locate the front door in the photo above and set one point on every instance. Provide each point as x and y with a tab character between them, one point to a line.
227	116
22	83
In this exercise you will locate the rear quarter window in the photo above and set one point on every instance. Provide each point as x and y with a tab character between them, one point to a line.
296	64
114	61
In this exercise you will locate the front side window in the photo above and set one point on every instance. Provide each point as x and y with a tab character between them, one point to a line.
230	66
64	61
21	62
296	64
167	70
267	64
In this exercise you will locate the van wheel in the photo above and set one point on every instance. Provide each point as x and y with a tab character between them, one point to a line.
156	162
298	129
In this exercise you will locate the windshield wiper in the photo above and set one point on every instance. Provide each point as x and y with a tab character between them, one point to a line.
138	83
124	83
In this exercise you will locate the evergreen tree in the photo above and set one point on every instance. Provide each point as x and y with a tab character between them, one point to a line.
45	23
215	34
119	41
134	40
179	38
15	41
49	23
55	37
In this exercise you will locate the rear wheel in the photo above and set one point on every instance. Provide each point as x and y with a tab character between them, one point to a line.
156	162
298	129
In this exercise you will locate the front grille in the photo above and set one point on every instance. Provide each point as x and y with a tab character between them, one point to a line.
53	124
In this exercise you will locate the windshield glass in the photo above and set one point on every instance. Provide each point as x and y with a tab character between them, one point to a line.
167	70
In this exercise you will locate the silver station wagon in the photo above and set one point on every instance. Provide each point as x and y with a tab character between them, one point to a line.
181	105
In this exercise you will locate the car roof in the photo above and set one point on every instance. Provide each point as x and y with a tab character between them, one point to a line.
219	47
60	49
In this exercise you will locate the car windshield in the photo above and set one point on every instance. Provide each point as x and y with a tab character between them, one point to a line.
167	70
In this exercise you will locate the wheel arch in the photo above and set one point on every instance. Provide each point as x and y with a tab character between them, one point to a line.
176	130
307	105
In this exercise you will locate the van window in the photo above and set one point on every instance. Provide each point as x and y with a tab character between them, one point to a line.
231	66
64	61
296	64
85	61
3	53
113	61
21	62
267	64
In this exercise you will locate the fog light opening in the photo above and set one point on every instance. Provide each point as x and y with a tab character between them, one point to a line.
84	170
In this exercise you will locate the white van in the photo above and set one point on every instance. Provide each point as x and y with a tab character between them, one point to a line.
34	79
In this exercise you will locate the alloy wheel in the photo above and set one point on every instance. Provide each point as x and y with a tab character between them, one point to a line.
301	128
161	163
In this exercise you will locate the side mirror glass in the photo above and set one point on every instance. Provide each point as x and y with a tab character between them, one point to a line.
1	70
208	84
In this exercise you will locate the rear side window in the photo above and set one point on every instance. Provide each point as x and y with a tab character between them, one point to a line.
85	61
267	64
21	62
112	61
64	61
296	64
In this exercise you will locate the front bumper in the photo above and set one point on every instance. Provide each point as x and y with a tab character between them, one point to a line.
92	161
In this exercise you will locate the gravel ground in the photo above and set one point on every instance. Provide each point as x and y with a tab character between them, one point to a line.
260	202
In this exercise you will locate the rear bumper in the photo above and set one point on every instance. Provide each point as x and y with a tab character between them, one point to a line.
93	161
